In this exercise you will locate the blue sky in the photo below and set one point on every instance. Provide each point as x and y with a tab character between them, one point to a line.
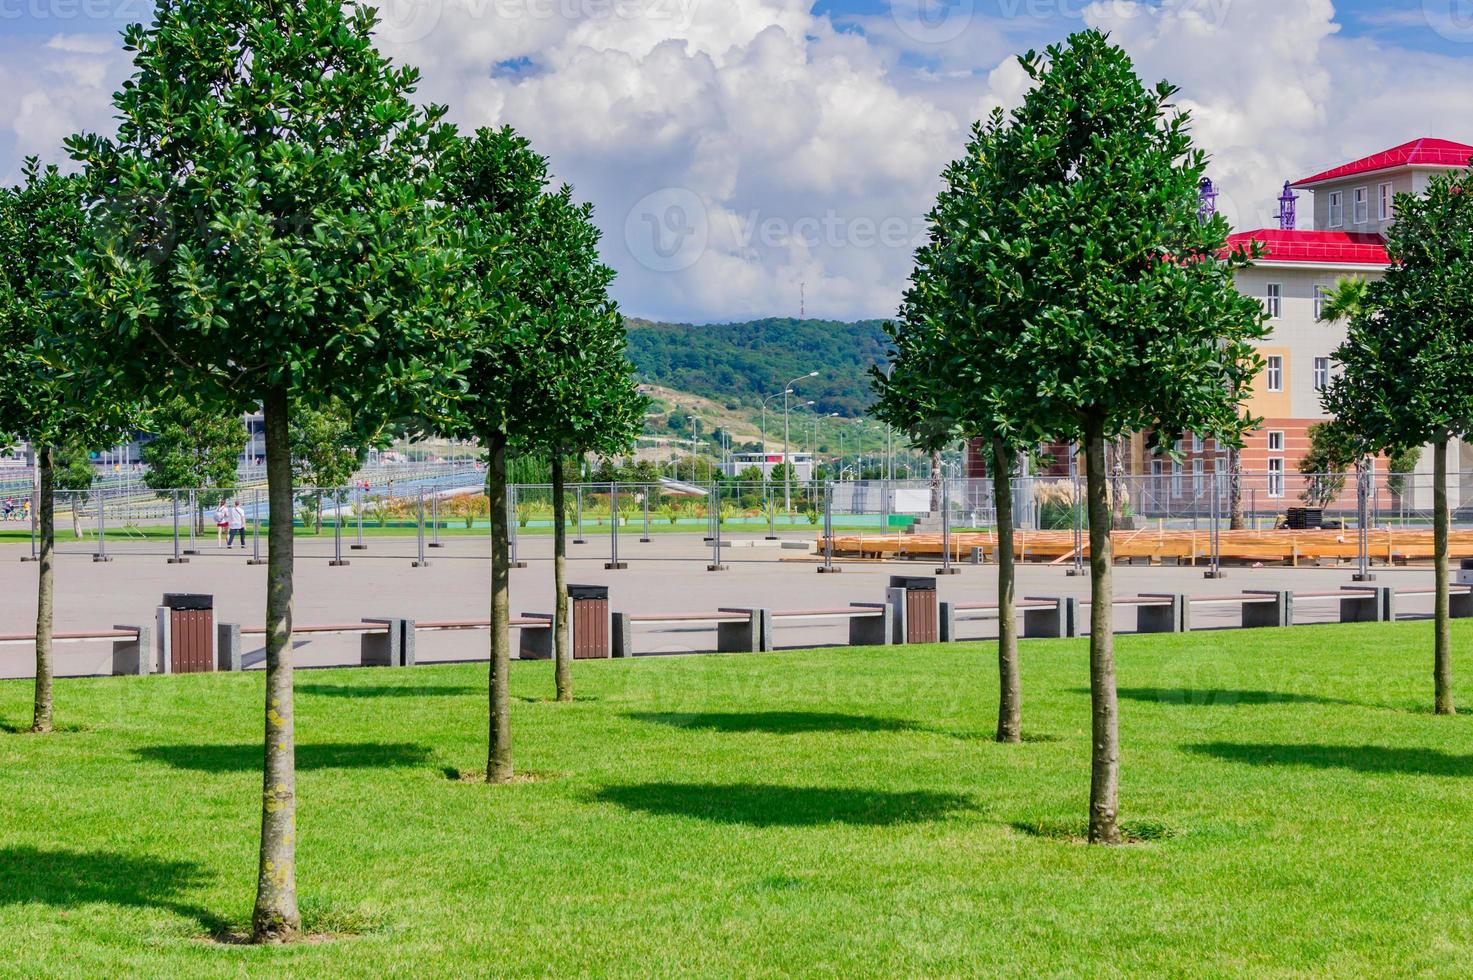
741	151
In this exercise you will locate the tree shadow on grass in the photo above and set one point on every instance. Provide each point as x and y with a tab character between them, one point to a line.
67	879
773	722
389	690
766	805
1187	697
248	756
1357	758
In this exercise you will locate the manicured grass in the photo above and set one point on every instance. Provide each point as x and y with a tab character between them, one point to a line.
837	812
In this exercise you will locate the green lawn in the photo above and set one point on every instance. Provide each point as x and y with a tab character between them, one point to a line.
836	812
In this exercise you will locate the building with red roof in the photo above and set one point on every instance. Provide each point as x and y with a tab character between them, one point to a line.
1351	207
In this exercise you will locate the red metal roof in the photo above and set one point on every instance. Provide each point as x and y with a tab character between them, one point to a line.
1417	153
1315	247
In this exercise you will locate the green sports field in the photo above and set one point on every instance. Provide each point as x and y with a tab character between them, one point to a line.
1300	812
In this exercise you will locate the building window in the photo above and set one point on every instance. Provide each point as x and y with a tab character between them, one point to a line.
1275	442
1337	208
1176	479
1362	205
1274	301
1321	373
1276	478
1321	297
1198	468
1388	201
1197	445
1275	373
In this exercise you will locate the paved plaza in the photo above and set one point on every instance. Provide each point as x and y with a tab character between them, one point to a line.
667	574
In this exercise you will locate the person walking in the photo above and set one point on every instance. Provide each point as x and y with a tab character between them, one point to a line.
237	522
222	523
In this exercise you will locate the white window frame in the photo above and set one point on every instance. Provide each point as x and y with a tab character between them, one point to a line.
1273	373
1387	194
1321	297
1197	444
1361	203
1321	373
1276	477
1337	209
1176	471
1199	470
1273	300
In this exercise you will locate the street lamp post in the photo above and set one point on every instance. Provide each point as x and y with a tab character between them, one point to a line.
693	420
787	453
776	394
813	445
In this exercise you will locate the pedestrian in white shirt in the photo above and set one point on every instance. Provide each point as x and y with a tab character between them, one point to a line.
222	524
237	523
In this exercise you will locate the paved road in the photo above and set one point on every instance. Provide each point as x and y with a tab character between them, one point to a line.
666	575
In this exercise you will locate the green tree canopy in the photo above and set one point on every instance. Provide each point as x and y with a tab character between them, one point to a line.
1127	318
1406	378
194	447
269	235
327	448
958	367
549	372
46	397
1332	450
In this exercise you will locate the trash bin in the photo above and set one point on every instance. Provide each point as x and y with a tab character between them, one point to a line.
922	612
191	632
1465	572
588	615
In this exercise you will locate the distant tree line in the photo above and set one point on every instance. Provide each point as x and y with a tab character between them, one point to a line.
738	364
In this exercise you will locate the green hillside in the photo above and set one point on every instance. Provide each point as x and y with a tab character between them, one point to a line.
736	364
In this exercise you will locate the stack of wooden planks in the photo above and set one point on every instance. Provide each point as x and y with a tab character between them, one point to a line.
1388	545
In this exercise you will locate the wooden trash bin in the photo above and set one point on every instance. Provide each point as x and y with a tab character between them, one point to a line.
922	610
588	615
191	632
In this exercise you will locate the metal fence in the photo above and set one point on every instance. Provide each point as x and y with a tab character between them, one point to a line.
714	522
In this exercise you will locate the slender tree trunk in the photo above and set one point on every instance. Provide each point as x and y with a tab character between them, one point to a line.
1235	490
1118	495
1104	788
561	651
936	483
1010	697
1443	663
276	917
45	587
498	756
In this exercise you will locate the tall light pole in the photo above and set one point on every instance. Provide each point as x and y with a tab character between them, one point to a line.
693	420
813	446
778	394
787	454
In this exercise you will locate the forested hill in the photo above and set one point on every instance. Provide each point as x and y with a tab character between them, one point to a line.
739	363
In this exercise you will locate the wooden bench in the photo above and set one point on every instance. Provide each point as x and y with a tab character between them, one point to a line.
737	630
132	654
870	623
